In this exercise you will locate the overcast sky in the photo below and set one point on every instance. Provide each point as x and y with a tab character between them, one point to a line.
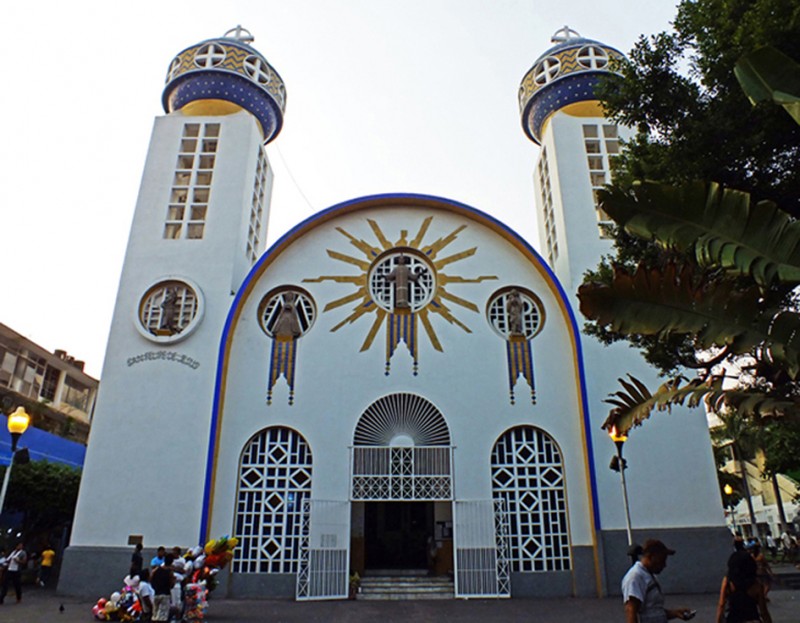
382	96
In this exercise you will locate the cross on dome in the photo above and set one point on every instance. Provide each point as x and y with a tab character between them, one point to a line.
240	34
564	34
257	69
209	55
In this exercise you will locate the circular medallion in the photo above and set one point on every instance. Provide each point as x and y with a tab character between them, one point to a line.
592	57
169	310
515	313
402	279
546	70
286	313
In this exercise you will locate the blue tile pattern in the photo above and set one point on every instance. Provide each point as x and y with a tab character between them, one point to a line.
573	83
228	80
550	98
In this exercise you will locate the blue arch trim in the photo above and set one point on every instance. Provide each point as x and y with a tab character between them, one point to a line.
362	203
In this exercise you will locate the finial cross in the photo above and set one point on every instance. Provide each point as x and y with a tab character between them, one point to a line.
240	34
564	34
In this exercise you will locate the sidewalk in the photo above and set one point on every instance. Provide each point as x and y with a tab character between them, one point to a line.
40	606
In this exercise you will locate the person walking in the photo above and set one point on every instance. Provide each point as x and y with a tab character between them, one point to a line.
146	595
46	566
741	596
162	580
15	562
641	592
763	570
137	561
158	559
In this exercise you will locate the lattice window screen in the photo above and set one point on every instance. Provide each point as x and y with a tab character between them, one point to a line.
527	472
274	479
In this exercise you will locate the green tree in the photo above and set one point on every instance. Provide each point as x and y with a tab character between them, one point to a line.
704	276
693	120
46	493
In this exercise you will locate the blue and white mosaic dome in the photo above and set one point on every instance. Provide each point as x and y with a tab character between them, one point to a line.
565	74
228	69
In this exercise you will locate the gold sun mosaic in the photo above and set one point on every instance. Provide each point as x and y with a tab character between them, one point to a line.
401	285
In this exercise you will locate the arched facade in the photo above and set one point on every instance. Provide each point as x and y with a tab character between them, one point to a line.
408	340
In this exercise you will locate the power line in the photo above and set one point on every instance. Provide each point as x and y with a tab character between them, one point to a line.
294	181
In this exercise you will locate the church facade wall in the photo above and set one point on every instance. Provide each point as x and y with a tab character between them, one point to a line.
336	379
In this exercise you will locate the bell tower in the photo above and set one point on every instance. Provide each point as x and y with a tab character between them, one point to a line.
561	113
199	226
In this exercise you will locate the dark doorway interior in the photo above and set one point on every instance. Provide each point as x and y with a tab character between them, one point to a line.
396	534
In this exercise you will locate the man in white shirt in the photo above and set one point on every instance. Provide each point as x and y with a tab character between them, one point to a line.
146	594
641	592
16	562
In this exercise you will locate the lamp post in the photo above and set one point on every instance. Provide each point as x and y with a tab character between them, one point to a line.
729	492
17	424
620	464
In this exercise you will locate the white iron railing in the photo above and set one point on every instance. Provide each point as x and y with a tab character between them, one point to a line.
481	543
402	473
323	571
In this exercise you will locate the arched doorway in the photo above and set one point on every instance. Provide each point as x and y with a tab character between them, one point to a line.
401	484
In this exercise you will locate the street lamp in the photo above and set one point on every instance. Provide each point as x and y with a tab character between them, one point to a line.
729	492
17	424
619	464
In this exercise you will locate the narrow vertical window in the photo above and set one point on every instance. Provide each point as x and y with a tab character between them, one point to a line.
191	185
551	239
602	144
256	226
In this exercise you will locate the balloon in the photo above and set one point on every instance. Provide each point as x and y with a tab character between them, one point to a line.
115	597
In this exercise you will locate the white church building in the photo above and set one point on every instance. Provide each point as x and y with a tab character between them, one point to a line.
396	369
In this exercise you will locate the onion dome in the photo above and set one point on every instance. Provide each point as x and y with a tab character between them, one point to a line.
224	75
564	76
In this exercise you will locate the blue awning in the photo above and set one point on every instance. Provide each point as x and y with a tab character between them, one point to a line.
43	446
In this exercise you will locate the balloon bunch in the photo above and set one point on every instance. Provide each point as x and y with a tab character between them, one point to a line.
120	606
201	565
215	556
220	551
196	602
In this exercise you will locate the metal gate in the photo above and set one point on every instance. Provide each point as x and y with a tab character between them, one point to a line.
324	551
481	542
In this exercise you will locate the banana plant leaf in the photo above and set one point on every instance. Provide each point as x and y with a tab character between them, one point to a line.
675	301
634	403
767	74
719	227
752	404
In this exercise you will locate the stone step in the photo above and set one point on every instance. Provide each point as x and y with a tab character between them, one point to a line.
415	573
788	581
406	587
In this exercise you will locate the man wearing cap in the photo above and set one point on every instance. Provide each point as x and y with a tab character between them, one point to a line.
641	592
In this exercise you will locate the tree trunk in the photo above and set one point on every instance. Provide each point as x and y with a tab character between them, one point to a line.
746	486
779	502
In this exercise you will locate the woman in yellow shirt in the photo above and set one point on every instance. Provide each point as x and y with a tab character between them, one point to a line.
46	567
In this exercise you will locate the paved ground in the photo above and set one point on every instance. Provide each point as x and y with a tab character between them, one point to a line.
42	606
